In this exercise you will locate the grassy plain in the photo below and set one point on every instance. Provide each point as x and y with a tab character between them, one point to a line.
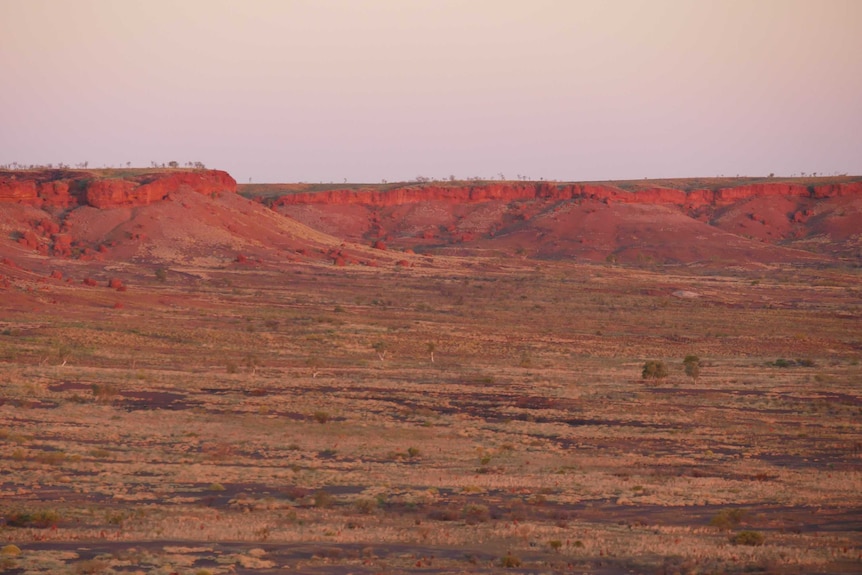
457	416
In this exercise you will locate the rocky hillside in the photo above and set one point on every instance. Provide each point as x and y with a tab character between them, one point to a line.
670	221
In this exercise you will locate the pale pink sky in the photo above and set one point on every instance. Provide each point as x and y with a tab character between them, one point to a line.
317	90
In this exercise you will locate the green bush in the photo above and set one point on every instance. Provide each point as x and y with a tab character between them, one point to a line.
728	518
654	369
747	538
692	366
38	519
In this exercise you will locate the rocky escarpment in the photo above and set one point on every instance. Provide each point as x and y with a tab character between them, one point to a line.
685	220
106	188
693	198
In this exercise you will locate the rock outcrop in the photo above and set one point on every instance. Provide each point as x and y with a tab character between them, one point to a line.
106	189
558	192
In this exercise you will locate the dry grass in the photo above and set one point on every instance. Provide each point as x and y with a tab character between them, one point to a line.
143	451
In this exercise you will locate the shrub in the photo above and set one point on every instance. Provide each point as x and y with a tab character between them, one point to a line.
444	514
39	519
323	500
728	518
476	513
510	561
555	544
366	505
321	416
654	369
103	392
413	451
747	538
692	366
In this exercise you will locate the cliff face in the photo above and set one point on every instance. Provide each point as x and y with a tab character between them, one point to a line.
545	191
66	188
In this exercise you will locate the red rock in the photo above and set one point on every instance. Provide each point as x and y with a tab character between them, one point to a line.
836	190
90	282
115	283
15	191
379	245
510	191
111	192
57	275
65	188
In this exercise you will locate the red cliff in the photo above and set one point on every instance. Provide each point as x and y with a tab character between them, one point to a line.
558	192
103	189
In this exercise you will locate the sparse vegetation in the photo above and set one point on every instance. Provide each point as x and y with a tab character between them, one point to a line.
692	366
729	518
381	348
143	435
41	519
655	370
753	538
510	561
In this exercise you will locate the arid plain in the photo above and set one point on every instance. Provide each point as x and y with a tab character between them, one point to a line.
436	378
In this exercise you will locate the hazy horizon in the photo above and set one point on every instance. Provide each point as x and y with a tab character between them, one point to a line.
283	91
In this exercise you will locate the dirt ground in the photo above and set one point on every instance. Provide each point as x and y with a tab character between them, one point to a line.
468	415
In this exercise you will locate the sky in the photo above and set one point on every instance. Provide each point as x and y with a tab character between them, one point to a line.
372	90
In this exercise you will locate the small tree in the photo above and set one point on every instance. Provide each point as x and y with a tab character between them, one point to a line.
380	348
654	369
252	363
692	366
431	348
314	363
